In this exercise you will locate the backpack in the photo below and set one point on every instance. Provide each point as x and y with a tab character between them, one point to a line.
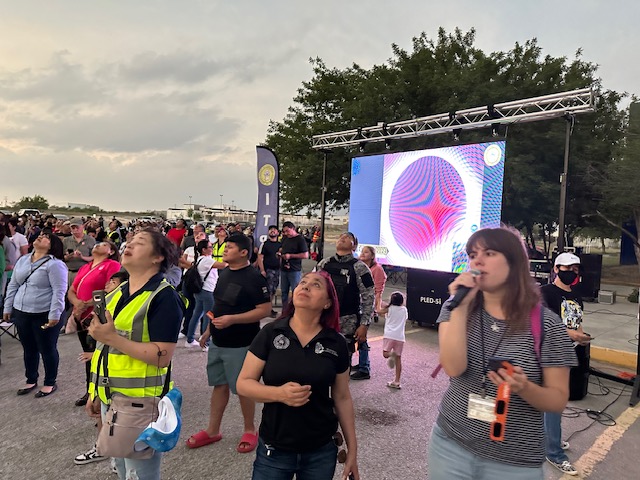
537	331
344	278
192	281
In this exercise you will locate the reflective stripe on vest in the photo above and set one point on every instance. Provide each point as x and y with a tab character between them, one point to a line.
218	250
127	375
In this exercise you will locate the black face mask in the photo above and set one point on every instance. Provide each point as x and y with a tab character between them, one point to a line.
567	276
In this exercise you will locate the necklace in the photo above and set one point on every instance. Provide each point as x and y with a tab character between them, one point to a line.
495	327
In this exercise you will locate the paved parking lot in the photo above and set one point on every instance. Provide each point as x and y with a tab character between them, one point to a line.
40	437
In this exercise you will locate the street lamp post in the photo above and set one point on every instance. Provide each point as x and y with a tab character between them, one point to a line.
221	206
563	184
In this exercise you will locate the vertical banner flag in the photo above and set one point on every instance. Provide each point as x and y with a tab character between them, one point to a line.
268	194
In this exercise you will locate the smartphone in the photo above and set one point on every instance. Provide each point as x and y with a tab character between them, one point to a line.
498	362
100	305
69	251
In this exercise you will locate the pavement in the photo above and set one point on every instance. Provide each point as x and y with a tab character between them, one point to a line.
40	437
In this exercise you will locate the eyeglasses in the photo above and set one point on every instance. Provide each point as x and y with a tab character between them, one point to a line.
44	235
501	409
338	439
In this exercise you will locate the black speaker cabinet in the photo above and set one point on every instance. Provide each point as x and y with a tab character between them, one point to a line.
591	272
579	376
427	290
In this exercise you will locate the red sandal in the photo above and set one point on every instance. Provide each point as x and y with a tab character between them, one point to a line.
201	439
248	442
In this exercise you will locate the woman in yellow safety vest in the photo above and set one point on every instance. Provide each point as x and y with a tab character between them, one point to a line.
143	321
219	245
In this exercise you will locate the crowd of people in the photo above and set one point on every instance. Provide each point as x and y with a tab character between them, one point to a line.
165	284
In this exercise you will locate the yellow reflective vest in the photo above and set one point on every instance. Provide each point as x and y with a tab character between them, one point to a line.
218	250
126	375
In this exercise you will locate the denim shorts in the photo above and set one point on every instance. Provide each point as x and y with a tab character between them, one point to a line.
447	460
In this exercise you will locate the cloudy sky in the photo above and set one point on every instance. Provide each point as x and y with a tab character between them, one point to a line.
141	104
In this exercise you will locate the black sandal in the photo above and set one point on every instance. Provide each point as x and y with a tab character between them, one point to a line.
24	391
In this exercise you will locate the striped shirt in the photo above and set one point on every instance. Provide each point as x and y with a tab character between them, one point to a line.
523	444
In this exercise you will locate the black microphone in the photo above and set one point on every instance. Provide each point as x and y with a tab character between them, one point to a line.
462	292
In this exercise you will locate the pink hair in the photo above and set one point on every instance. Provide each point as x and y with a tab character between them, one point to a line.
330	317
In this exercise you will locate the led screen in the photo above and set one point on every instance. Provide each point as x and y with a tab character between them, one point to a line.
419	208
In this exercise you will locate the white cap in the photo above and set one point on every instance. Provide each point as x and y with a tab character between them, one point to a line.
567	259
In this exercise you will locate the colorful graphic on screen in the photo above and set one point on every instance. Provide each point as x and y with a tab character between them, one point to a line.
419	208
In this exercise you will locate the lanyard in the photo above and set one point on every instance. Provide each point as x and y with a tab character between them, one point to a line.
485	362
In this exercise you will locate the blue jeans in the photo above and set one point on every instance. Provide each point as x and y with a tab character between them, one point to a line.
204	303
320	464
449	461
130	469
364	365
289	280
553	437
37	342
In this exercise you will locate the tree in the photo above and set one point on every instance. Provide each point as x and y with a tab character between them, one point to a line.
197	216
190	213
37	201
446	74
620	181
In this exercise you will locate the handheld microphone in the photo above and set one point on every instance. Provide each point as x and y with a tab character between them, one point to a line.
462	292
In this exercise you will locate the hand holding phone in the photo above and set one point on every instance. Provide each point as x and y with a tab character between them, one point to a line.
100	305
495	363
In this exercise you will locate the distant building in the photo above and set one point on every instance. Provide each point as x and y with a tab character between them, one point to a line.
72	206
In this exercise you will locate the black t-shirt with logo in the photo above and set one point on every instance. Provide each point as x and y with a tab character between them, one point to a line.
269	249
568	305
238	291
296	244
305	428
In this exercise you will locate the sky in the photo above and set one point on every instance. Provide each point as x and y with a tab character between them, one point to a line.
144	105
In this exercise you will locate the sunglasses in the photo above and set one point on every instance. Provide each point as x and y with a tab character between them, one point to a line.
338	439
502	407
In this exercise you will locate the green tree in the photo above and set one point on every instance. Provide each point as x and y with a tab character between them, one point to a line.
446	74
620	182
37	201
197	216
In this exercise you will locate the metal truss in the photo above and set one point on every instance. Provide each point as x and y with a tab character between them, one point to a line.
518	111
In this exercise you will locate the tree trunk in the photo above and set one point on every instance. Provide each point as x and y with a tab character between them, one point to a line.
603	246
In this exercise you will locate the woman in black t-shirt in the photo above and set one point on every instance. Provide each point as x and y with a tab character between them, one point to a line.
304	364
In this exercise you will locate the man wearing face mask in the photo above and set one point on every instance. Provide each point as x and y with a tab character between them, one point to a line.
560	297
269	262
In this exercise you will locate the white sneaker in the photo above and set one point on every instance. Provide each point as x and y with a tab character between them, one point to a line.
391	361
181	336
88	457
564	467
565	445
191	344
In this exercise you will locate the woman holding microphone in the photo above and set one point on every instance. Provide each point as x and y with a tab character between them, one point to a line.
496	318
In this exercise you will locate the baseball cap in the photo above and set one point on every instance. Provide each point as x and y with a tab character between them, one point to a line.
567	259
162	435
76	221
